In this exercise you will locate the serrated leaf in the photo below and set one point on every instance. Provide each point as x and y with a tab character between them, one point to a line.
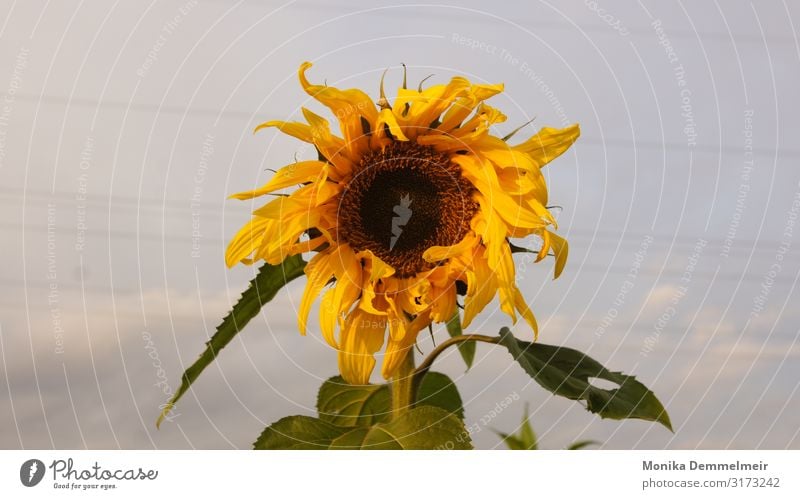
263	288
566	372
299	433
438	390
465	348
423	428
343	404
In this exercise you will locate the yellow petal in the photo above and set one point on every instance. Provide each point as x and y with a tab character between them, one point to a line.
442	142
525	311
483	176
295	129
374	270
465	105
247	240
320	129
549	143
440	253
300	201
351	100
318	272
329	316
349	106
347	270
362	336
376	267
287	229
368	299
545	245
407	97
387	117
443	303
412	296
505	156
332	147
478	124
306	246
442	275
520	182
504	269
426	106
561	250
481	291
296	173
399	343
439	99
512	211
493	231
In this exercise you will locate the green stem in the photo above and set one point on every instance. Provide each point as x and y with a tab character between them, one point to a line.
403	386
455	340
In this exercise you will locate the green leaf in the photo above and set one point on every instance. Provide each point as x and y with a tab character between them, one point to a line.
343	404
352	440
566	372
353	405
513	442
525	439
465	348
582	444
438	390
263	288
358	417
422	428
299	432
425	428
526	433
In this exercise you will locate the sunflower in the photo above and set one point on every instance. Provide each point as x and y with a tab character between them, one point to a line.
410	208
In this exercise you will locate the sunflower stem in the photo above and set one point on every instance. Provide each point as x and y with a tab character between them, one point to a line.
403	386
455	340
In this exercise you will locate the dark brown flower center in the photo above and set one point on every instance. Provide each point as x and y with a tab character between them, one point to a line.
403	200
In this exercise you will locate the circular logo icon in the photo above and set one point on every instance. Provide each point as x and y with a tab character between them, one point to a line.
31	472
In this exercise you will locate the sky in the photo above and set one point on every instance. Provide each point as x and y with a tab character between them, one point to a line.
124	126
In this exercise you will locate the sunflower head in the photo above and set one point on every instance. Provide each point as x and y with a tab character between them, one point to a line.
410	208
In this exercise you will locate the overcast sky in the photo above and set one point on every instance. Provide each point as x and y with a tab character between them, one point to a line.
124	125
